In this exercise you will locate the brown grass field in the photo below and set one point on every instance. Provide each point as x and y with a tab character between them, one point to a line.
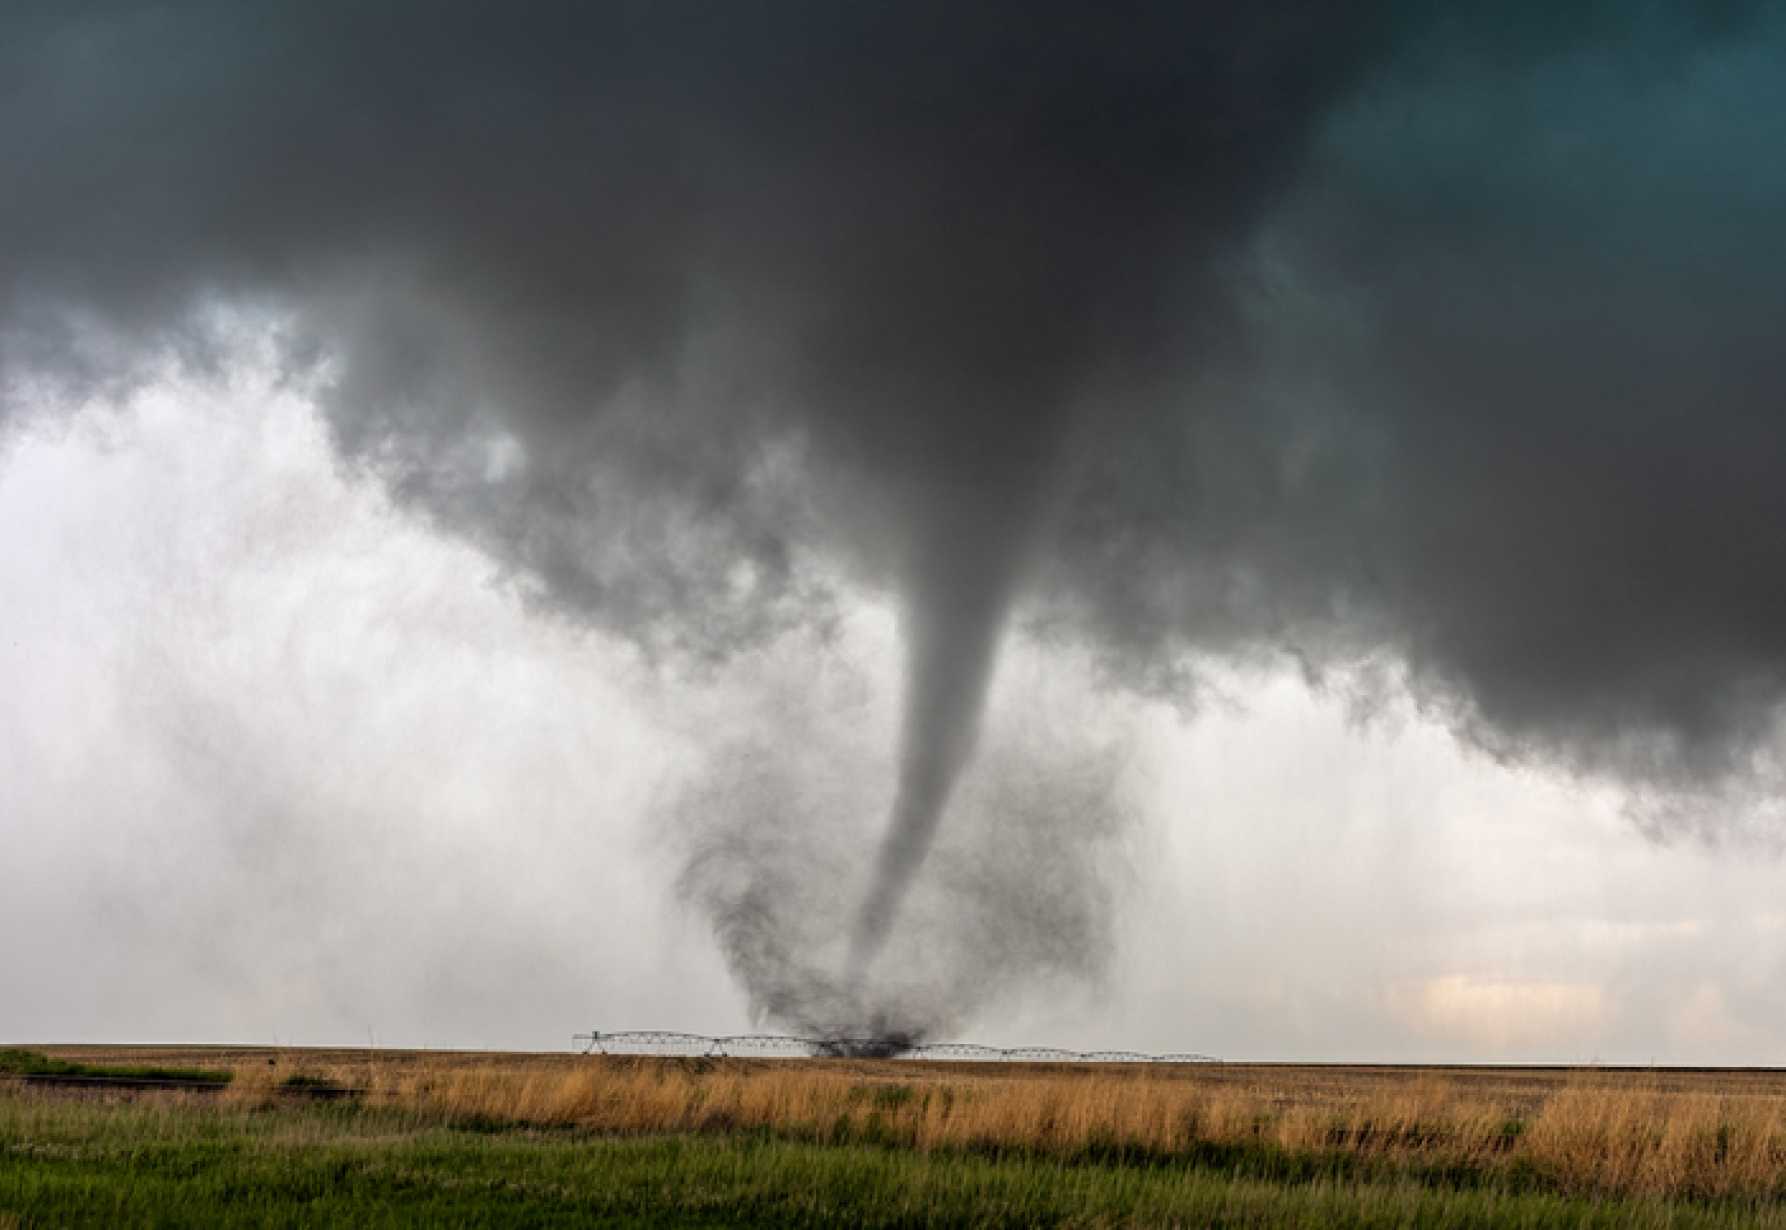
1688	1133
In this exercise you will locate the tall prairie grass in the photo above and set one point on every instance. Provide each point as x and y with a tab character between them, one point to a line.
78	1158
1588	1132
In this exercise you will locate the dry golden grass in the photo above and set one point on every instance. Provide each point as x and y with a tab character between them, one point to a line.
1663	1133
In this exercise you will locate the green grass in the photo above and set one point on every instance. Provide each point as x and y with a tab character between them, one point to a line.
172	1161
14	1062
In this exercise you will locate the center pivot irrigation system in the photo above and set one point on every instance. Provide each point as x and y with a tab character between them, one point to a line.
784	1046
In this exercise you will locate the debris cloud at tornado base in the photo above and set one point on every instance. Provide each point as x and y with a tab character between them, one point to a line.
1017	903
1440	341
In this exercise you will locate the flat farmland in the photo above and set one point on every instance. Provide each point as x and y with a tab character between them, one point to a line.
309	1136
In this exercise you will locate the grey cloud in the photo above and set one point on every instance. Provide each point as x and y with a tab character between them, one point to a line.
1521	420
1238	329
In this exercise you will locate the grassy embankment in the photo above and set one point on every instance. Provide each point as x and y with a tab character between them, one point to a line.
502	1140
17	1062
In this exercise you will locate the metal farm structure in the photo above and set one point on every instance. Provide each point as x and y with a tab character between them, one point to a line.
786	1046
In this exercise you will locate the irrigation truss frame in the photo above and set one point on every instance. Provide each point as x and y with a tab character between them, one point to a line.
670	1042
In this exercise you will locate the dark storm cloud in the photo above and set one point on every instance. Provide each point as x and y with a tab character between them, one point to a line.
653	243
1518	411
1346	331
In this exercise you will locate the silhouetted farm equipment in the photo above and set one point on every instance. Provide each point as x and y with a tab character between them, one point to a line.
787	1046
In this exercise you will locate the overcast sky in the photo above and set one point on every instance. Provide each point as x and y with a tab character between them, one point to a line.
281	764
1252	527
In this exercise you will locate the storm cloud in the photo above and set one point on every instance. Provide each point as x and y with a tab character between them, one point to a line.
1442	346
1516	420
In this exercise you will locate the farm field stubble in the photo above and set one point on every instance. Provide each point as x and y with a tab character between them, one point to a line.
497	1139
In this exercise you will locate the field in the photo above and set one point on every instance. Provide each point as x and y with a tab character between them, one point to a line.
300	1137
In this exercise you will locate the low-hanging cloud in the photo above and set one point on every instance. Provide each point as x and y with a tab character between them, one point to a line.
1520	422
1268	328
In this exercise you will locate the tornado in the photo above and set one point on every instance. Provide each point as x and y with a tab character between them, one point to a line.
966	564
